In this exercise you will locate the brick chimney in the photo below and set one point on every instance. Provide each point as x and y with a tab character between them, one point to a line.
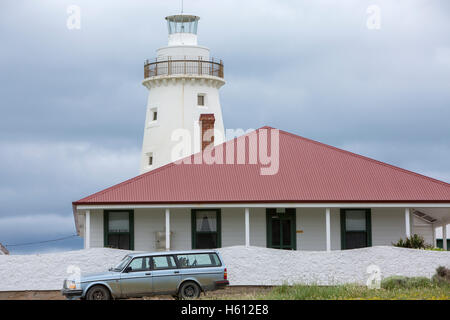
3	250
206	123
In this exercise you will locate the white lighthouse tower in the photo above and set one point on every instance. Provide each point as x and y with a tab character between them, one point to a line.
183	83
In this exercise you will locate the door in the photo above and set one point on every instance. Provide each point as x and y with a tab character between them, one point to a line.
165	274
136	279
281	229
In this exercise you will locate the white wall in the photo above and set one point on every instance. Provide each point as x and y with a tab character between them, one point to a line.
258	233
388	226
233	227
424	229
176	103
180	224
181	51
335	229
146	223
175	98
97	224
312	222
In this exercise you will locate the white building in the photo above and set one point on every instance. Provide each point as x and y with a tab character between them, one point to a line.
320	198
304	196
183	83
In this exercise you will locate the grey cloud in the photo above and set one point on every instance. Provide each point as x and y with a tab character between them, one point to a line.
73	107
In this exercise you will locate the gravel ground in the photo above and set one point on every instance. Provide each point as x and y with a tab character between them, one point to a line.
229	292
246	266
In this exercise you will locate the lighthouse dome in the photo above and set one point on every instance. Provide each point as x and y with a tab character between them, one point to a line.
182	29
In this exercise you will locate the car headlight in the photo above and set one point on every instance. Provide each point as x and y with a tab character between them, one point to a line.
71	284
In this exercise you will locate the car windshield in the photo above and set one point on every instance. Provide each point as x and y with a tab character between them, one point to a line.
122	263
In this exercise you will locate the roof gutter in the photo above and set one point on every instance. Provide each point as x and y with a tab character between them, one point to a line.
264	205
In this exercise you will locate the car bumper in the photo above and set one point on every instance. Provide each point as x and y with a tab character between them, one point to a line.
221	284
72	293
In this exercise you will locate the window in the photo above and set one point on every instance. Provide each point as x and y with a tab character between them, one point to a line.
198	260
150	160
153	116
201	100
206	230
122	263
356	228
140	264
119	230
164	262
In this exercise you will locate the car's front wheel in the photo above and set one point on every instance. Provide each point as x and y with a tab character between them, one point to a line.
189	290
98	293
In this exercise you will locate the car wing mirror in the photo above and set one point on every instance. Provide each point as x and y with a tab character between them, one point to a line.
128	269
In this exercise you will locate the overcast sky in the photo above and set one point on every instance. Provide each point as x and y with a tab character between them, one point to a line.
73	107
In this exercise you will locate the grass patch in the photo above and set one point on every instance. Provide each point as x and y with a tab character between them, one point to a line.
392	288
417	289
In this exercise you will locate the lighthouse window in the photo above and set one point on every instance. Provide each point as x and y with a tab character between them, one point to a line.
201	100
150	159
153	115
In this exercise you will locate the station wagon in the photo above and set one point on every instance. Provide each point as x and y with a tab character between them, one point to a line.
183	274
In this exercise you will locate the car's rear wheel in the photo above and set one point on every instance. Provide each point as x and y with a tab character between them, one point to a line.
98	293
189	290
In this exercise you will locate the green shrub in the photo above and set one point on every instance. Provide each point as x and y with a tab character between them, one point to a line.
419	282
394	282
401	282
413	242
442	275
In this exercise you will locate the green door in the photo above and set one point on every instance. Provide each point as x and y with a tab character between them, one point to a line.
281	229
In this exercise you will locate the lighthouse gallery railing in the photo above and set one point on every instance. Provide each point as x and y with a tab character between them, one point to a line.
170	66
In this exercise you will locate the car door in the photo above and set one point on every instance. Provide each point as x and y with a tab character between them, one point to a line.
165	274
136	279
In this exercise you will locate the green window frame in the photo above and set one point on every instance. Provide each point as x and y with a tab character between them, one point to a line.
368	216
440	244
194	231
289	213
130	232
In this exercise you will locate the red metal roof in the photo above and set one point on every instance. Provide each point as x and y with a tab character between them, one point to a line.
309	171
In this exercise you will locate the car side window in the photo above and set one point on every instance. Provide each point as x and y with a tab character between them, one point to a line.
164	262
140	264
198	260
